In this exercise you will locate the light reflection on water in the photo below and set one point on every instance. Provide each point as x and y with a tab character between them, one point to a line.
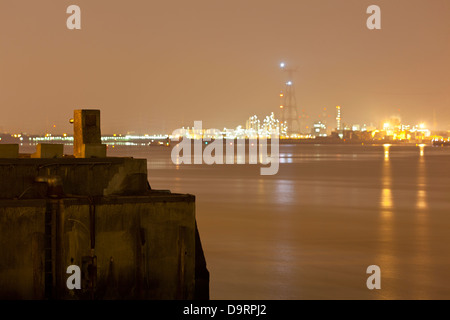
311	230
386	254
422	257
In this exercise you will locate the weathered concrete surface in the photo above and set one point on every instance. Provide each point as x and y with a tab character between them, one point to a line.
47	150
130	242
84	177
89	150
21	234
144	247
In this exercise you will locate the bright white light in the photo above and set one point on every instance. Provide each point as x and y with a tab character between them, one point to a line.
282	65
289	83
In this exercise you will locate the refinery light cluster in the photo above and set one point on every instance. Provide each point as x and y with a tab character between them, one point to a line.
254	128
402	132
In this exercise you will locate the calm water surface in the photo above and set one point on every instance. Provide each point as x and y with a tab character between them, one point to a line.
311	231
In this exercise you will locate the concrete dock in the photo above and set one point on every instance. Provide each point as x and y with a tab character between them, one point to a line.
98	213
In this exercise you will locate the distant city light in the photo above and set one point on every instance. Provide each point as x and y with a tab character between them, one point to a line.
289	83
282	65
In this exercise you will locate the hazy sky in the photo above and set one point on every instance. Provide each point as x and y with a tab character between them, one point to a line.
153	66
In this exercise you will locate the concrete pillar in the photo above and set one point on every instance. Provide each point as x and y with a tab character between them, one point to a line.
87	134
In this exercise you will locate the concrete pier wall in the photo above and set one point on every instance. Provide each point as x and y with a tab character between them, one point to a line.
100	214
127	247
84	177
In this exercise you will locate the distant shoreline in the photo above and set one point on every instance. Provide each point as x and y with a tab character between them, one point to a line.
164	141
